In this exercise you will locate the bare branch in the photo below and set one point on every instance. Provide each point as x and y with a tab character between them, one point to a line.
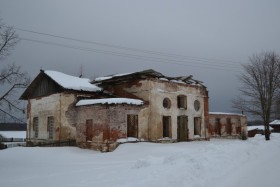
8	39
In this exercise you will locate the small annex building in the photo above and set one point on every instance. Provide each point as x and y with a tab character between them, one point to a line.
102	122
227	125
275	125
253	130
145	105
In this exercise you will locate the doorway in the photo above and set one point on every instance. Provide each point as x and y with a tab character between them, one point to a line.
182	128
166	126
197	126
89	133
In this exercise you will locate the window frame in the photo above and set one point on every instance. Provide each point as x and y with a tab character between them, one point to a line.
35	126
196	105
166	127
166	103
182	102
50	127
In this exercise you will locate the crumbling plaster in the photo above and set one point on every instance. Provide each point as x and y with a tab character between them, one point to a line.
109	124
55	105
155	90
235	120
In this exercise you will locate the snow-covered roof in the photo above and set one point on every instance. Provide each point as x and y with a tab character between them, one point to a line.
110	77
225	113
71	82
275	122
110	101
259	127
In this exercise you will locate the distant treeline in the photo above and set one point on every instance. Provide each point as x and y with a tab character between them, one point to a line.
12	126
255	123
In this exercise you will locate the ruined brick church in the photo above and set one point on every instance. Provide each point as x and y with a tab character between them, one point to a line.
144	106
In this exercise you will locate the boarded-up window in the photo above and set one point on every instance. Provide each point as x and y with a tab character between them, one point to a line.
89	133
182	101
166	126
197	126
228	127
182	129
36	126
132	125
50	126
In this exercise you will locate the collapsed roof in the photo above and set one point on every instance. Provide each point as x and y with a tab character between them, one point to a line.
150	73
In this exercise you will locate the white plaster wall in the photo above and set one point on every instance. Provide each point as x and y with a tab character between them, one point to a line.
160	90
54	105
42	108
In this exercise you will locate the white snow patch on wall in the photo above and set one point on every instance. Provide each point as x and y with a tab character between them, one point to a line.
110	101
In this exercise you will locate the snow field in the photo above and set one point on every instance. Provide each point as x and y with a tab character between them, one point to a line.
195	164
13	134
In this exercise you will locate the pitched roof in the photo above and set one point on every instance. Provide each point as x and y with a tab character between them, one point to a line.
72	83
61	82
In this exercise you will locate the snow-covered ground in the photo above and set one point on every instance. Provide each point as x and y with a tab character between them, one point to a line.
13	134
219	163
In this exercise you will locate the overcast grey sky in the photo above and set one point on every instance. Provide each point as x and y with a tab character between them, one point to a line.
214	37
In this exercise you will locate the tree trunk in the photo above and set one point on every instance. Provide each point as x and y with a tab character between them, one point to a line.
267	135
266	132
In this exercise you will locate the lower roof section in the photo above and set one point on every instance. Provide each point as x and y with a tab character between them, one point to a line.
110	101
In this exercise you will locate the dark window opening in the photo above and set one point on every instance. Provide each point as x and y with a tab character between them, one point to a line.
36	126
166	126
228	126
166	103
182	101
132	125
218	126
89	127
197	126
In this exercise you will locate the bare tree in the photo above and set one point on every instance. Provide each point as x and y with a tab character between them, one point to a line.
12	79
260	87
8	39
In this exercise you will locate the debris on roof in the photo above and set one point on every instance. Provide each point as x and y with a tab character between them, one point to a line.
146	74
